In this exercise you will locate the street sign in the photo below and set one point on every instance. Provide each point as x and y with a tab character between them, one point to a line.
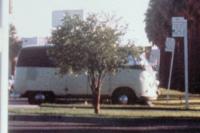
179	29
170	47
179	25
169	44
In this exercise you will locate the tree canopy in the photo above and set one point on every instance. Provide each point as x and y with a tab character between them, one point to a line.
86	45
158	27
14	46
91	46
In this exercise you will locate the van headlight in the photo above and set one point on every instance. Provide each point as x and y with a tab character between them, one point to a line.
157	82
149	81
147	77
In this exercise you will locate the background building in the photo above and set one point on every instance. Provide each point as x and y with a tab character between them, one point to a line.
34	41
57	16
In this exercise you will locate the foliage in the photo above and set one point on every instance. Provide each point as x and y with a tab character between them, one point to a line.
158	18
14	46
89	45
158	27
129	49
159	13
14	43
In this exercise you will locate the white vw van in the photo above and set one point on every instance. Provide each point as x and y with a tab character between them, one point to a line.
39	80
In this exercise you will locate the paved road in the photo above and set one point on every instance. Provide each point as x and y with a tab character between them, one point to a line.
59	124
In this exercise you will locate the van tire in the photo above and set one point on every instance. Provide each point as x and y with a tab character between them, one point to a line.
127	93
50	97
32	98
45	97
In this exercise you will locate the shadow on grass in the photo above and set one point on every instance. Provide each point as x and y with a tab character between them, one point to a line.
173	107
102	125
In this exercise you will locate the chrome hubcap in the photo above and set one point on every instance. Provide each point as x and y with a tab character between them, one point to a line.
39	97
123	99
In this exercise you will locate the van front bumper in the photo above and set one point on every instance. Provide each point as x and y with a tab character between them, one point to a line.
147	98
15	95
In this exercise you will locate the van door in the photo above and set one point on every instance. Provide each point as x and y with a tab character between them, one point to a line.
77	84
105	87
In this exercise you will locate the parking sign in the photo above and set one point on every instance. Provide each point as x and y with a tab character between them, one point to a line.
179	25
169	44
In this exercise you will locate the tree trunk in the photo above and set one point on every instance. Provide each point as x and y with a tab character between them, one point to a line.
96	97
96	87
97	102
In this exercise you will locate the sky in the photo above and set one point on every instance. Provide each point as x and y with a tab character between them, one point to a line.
34	17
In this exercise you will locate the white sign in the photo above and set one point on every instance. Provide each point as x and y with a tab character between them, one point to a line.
169	44
58	16
179	25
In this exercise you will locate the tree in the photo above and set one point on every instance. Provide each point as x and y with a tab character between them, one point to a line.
158	27
14	46
90	46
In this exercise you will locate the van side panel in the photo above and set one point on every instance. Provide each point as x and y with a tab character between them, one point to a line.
77	84
123	78
39	79
127	78
49	79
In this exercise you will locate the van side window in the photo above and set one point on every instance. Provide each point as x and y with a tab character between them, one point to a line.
34	57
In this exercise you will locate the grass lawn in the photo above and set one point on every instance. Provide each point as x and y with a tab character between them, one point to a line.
177	100
174	107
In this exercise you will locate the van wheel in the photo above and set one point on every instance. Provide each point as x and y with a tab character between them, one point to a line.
123	96
50	97
36	98
40	97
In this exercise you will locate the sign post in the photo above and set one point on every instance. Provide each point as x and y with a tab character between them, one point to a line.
170	47
4	66
179	29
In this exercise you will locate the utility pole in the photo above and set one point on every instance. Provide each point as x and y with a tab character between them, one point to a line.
170	47
4	15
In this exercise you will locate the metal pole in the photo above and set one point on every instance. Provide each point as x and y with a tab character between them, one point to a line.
170	75
186	66
4	66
